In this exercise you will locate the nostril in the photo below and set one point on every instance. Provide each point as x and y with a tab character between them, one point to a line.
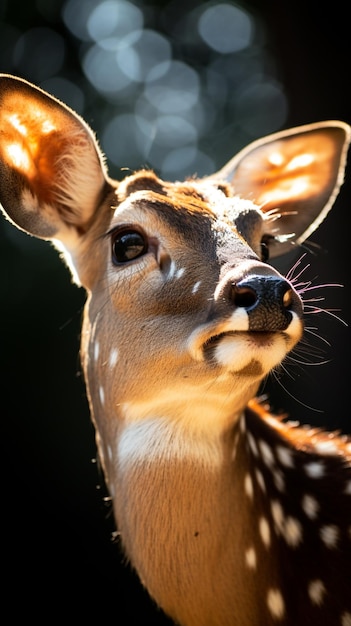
243	296
268	300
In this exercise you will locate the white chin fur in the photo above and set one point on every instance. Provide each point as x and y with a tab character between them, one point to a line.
236	352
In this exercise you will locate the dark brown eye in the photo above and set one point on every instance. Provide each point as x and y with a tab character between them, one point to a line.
127	245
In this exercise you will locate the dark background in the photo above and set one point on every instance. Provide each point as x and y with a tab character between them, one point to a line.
57	540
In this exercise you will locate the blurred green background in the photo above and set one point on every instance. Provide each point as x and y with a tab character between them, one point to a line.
178	86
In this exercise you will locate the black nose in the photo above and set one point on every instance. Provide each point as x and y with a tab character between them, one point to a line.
268	300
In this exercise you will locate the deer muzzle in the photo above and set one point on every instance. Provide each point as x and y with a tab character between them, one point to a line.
256	315
269	302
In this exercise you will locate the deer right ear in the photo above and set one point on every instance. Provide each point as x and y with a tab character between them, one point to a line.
51	169
295	173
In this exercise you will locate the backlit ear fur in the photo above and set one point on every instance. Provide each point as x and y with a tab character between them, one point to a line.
294	176
52	171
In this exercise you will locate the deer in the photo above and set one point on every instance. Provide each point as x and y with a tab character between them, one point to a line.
230	514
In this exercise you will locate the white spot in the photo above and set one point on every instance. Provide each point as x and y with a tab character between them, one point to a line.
278	516
289	527
196	286
314	469
329	535
326	447
346	619
109	453
96	350
113	357
251	558
279	481
265	531
310	506
292	532
260	480
252	444
348	488
266	452
172	270
179	272
101	394
285	456
248	486
316	591
275	603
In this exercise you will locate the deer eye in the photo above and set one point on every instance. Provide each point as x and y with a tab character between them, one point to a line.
127	245
265	241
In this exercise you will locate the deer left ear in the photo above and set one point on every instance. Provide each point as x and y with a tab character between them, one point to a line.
51	168
295	174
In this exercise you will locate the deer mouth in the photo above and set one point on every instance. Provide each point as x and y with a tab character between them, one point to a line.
233	349
246	353
261	338
259	334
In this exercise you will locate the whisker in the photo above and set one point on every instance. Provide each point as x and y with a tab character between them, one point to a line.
290	274
307	357
286	371
309	363
320	285
329	312
311	330
307	406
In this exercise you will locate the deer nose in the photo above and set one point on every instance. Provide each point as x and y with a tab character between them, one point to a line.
268	300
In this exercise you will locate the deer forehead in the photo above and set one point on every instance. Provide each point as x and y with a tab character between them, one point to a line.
200	199
206	220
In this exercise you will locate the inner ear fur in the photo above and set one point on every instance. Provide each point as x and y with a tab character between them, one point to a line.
52	170
293	175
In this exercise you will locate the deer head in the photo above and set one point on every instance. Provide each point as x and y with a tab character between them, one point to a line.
184	319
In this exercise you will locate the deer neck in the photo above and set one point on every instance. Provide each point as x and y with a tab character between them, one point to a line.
175	518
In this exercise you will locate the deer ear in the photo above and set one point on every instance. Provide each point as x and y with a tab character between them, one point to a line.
295	174
51	169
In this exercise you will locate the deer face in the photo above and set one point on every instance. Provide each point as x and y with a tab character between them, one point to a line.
185	297
179	295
